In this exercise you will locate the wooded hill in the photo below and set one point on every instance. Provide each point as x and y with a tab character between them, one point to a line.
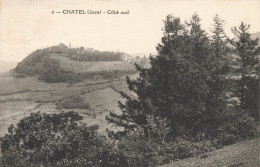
53	64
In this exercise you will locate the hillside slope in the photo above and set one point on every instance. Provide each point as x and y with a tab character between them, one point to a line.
242	154
79	67
59	64
255	35
21	96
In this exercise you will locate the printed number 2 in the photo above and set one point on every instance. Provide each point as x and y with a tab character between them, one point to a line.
52	12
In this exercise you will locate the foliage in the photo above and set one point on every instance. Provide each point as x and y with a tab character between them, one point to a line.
78	54
248	53
52	73
49	70
236	126
27	67
94	55
186	86
176	86
56	140
158	149
41	63
219	38
73	102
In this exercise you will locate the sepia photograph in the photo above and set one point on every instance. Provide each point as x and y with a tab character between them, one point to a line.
129	83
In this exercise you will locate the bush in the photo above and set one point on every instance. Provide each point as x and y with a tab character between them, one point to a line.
236	125
51	72
56	140
158	146
143	152
73	102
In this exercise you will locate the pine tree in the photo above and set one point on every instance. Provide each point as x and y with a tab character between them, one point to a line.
218	66
154	86
199	40
219	37
248	62
174	86
183	89
207	97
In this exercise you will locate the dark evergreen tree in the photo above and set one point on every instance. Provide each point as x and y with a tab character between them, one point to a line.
248	53
206	97
219	67
153	87
185	85
216	69
175	86
219	37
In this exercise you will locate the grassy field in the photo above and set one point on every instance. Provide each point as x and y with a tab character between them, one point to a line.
242	154
103	99
79	67
20	97
10	84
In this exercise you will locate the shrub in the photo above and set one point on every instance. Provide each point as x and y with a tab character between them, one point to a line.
51	72
143	152
56	140
73	102
158	146
236	125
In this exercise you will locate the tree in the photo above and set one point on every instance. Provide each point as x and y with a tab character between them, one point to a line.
135	111
185	84
248	62
174	87
218	68
219	37
180	98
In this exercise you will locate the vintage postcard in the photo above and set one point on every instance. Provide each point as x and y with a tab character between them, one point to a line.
129	83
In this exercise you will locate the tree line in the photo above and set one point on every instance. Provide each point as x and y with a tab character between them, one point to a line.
86	54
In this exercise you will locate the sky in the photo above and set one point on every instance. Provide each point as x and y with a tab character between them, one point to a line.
27	25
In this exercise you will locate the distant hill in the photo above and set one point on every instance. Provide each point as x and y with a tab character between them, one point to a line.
62	64
255	35
7	65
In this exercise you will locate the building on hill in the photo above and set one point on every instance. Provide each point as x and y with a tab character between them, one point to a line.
126	57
